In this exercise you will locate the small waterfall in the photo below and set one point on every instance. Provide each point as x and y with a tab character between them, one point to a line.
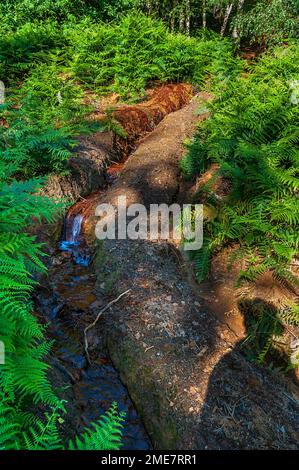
76	229
73	242
72	231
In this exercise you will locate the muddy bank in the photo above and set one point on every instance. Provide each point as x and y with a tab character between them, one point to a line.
86	169
151	174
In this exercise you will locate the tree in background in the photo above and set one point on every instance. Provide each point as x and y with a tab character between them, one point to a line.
18	11
261	21
267	21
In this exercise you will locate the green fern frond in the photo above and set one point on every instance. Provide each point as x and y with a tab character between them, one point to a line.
104	435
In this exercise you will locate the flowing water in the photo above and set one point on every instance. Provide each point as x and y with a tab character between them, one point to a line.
68	301
73	241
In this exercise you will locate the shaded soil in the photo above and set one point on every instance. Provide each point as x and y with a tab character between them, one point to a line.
183	368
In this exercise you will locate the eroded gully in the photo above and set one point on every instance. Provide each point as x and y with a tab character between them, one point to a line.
68	299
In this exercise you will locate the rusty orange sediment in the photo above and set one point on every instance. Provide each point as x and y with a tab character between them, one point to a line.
136	120
85	205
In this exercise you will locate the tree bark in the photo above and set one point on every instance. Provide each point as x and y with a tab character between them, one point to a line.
188	17
235	33
204	14
226	18
172	24
182	20
149	6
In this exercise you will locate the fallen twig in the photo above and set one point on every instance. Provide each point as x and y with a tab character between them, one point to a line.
96	320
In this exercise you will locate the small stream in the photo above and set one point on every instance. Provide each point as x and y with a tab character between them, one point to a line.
70	295
68	301
72	240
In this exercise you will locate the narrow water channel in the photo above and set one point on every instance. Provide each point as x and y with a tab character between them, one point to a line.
67	300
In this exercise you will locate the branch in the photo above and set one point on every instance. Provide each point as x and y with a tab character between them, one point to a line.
97	319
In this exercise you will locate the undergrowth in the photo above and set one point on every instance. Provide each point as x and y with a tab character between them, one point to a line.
24	385
253	137
52	55
49	68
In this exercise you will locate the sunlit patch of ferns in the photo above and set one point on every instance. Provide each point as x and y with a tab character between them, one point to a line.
253	136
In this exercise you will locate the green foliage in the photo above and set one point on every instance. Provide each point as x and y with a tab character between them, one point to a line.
45	114
290	314
49	67
110	124
41	150
52	53
264	342
44	434
31	433
24	385
104	57
253	136
268	22
23	378
264	326
104	435
262	21
17	12
30	44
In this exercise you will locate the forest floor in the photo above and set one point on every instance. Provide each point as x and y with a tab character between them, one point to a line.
182	366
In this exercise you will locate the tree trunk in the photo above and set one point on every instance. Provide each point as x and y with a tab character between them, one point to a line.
2	92
172	24
149	6
188	17
182	20
226	18
204	14
235	33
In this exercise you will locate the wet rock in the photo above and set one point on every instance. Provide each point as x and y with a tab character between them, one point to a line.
56	261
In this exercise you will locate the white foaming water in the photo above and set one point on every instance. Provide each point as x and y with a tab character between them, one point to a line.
76	229
72	232
72	242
